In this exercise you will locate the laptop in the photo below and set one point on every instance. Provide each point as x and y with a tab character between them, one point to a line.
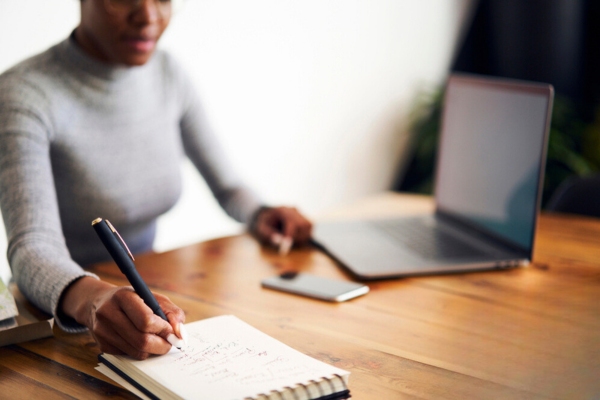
488	186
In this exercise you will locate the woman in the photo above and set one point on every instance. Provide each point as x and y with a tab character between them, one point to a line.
96	126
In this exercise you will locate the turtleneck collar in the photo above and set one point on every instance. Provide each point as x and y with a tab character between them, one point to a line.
75	55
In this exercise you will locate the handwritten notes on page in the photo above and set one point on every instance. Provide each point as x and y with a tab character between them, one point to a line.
226	359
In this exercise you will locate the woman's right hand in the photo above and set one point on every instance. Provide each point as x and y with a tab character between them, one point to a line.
119	320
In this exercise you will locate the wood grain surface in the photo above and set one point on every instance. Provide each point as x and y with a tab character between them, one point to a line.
526	333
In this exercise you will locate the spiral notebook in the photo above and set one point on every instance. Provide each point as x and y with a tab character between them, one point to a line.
228	359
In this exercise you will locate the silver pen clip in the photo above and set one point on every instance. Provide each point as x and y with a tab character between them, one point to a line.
112	228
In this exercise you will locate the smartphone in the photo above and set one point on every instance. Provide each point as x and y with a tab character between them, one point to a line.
315	286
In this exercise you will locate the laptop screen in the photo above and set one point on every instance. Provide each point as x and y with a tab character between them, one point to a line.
492	155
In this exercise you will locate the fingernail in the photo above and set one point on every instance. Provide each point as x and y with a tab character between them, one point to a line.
175	341
276	238
286	245
184	334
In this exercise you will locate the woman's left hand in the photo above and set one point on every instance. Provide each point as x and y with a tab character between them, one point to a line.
281	227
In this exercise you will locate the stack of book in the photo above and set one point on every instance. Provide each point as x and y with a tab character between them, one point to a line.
17	322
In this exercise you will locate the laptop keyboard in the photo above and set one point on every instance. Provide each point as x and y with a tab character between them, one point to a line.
426	240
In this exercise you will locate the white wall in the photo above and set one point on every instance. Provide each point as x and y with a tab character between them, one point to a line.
309	97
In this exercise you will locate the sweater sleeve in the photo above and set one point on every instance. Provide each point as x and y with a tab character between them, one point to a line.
204	150
37	253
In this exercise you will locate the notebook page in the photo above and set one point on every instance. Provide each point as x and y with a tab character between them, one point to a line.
227	358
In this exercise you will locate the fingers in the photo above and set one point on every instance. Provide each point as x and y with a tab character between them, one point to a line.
119	320
141	315
274	225
116	337
266	228
123	323
174	314
296	226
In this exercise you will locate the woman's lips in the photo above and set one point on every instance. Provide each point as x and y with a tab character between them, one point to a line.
140	45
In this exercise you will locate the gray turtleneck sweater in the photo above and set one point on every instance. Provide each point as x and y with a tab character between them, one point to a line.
80	139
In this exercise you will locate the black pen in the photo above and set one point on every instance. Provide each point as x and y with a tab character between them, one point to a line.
119	251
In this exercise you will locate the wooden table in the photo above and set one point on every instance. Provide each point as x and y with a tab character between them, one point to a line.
532	332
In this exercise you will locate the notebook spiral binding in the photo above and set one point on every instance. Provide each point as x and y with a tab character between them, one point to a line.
327	388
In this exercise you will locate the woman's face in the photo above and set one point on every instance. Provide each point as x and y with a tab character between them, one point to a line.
122	35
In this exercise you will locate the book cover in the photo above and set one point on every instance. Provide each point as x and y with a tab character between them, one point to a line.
27	323
8	308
